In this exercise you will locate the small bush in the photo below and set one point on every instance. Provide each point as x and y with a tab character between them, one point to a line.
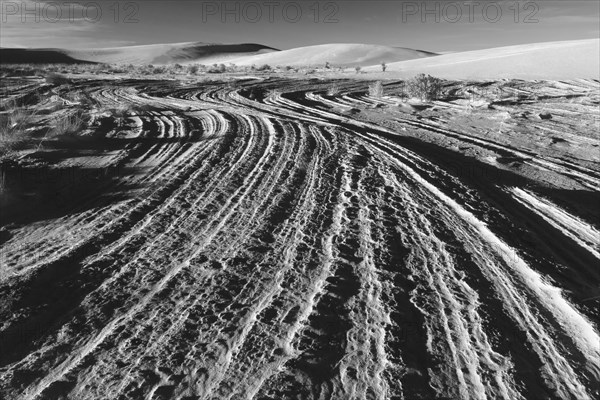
264	67
68	125
376	89
357	69
56	79
425	87
13	130
333	89
192	69
217	69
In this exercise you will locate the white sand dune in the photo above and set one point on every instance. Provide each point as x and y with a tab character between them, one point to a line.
168	53
337	54
551	60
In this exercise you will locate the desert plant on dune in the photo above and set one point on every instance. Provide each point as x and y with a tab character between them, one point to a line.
124	111
264	67
376	89
56	79
217	69
13	130
69	124
424	87
333	89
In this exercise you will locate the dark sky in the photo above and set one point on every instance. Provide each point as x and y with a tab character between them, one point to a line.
438	26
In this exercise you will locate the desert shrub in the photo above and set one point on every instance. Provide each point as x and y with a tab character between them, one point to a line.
115	69
56	79
333	89
120	111
357	69
69	124
383	66
124	111
264	67
376	89
79	97
425	87
217	69
327	65
13	129
192	69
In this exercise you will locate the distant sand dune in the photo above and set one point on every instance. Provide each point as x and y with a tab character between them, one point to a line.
35	56
552	60
337	54
146	54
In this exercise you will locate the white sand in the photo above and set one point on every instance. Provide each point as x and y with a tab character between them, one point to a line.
551	60
337	54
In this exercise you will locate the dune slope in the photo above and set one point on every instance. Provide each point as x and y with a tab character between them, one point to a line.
552	60
146	54
167	53
337	54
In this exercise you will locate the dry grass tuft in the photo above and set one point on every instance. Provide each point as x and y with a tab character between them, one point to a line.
376	89
54	78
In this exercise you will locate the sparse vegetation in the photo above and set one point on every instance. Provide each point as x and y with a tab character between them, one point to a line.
68	124
217	69
192	69
13	130
424	87
56	79
333	89
376	89
264	67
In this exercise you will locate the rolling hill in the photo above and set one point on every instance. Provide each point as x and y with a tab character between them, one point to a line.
550	60
337	54
145	54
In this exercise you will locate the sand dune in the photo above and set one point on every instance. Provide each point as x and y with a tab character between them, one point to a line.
552	60
168	53
35	56
337	54
145	54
